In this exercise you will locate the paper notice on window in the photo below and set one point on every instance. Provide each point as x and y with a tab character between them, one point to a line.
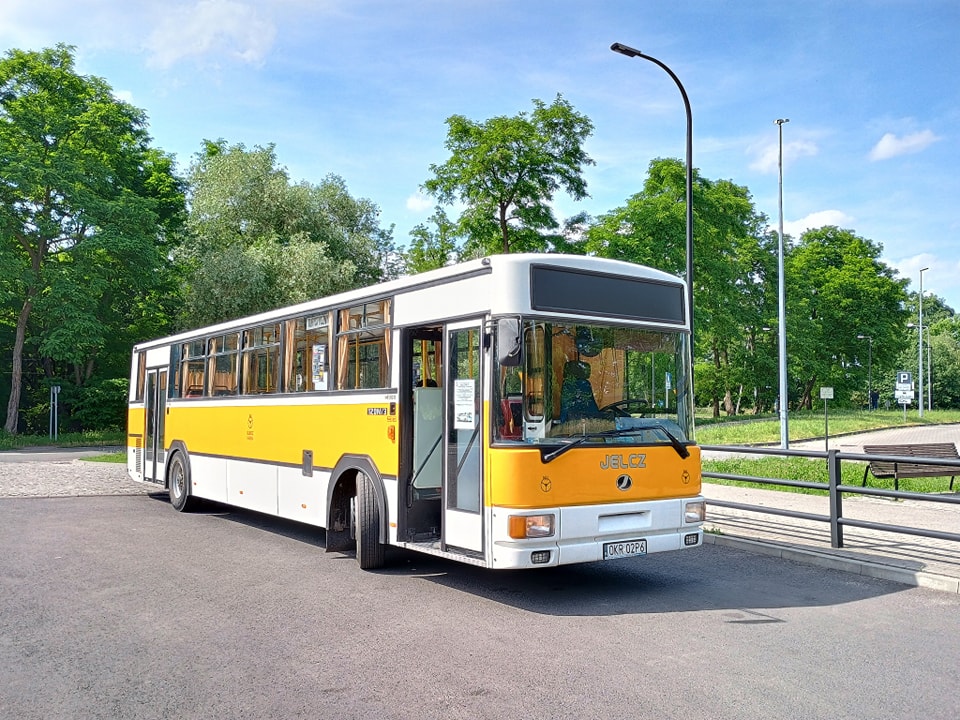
319	367
464	404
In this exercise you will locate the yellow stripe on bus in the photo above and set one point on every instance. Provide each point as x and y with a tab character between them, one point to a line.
280	434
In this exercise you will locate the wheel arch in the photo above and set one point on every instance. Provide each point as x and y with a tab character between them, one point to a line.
342	488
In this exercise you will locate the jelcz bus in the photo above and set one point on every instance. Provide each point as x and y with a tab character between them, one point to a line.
511	412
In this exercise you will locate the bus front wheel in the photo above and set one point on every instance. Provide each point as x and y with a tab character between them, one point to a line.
370	551
178	481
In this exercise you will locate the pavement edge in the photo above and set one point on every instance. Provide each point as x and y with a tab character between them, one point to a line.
878	570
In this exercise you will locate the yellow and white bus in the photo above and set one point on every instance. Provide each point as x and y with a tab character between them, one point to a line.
511	412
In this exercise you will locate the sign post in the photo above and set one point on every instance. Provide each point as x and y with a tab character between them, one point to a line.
904	390
826	393
54	411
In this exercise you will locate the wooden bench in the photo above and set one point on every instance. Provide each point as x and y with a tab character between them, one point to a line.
897	469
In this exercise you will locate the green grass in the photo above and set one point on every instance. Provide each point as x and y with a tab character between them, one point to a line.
93	438
786	468
117	457
806	425
811	470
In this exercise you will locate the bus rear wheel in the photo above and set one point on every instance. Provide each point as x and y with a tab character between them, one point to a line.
370	551
178	482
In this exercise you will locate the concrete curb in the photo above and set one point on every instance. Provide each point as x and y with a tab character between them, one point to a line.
857	566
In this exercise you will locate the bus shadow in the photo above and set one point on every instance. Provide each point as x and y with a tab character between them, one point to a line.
750	587
291	529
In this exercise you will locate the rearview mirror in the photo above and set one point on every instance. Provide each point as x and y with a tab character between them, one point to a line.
508	341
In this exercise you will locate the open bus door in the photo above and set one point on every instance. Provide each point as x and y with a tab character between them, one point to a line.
463	438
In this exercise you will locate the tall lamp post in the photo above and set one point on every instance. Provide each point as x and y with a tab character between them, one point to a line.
782	300
869	369
920	341
632	52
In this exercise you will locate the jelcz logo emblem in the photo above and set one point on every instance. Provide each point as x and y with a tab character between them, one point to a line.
624	482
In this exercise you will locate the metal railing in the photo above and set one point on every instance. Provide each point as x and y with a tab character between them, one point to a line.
836	490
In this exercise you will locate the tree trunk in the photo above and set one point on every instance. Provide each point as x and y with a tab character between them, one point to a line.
806	402
16	371
504	229
727	394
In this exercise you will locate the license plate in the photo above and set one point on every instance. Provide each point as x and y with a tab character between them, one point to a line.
624	548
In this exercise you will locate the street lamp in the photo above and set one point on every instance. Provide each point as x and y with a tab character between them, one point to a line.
632	52
869	369
920	341
781	301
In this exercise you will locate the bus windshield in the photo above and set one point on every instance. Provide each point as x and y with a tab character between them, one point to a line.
589	382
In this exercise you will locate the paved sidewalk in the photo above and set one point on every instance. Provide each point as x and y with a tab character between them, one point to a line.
32	473
909	559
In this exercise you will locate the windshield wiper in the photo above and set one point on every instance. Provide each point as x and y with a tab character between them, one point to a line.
554	454
681	449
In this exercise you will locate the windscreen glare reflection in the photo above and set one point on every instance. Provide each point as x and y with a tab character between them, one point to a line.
615	384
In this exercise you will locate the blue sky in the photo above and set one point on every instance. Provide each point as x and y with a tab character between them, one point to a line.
361	89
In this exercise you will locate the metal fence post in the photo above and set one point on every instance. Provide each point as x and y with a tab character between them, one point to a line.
836	499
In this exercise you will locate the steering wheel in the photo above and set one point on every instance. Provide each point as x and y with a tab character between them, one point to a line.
628	407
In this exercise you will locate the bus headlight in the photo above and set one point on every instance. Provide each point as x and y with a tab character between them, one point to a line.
694	512
531	526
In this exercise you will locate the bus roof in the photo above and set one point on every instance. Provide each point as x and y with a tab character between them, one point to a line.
510	265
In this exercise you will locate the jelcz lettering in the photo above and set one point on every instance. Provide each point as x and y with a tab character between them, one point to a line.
623	462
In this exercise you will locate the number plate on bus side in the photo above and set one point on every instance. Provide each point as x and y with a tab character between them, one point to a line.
624	548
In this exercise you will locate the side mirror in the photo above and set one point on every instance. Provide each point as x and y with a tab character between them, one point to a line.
509	341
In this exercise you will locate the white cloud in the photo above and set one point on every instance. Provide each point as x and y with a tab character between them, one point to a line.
419	203
891	146
210	27
124	96
795	228
768	154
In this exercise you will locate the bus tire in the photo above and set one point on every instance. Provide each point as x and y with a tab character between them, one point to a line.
370	552
178	483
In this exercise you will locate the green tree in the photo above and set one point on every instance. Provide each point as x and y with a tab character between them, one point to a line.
941	351
944	363
506	170
86	207
433	247
731	265
837	289
257	241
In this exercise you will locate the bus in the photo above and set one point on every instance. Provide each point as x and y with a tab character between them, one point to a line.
515	411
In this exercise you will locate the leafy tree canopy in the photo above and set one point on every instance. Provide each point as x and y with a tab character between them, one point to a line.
505	172
258	241
86	211
837	289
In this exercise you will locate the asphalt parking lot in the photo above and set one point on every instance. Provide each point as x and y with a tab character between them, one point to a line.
114	605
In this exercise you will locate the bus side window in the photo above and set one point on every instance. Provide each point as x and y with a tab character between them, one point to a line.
307	353
363	347
261	359
189	378
223	370
141	363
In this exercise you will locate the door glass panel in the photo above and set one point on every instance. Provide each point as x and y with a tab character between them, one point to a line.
161	416
150	433
464	447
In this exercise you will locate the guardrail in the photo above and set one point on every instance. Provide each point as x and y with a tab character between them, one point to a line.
837	490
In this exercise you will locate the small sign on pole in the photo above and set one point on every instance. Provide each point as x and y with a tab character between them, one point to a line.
826	393
903	391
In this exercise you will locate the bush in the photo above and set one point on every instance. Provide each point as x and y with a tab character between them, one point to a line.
102	405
